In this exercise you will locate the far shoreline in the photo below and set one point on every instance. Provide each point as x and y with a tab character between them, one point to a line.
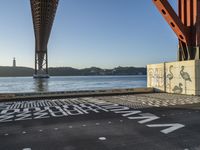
79	76
69	71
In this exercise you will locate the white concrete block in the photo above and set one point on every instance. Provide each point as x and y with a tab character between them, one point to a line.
181	77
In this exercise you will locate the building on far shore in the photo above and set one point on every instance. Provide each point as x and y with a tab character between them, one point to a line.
14	62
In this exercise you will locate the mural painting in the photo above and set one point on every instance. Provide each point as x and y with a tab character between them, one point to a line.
178	89
169	77
185	76
156	77
176	80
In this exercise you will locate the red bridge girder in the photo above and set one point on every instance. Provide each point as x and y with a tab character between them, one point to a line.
185	24
172	19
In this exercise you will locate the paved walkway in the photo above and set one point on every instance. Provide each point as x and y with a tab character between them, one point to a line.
152	100
101	123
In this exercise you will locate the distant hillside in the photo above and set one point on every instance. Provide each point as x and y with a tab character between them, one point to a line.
15	71
68	71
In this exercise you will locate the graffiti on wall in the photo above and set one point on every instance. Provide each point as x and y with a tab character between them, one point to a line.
169	77
156	77
175	81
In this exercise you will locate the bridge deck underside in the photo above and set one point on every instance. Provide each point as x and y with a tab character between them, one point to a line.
43	13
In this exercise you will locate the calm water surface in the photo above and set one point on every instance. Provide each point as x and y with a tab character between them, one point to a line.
69	83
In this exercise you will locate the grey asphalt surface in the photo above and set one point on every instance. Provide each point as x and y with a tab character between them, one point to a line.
97	129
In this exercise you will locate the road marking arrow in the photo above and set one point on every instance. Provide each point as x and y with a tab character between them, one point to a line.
171	127
146	116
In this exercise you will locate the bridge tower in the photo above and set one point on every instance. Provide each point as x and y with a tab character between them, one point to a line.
43	14
182	76
185	24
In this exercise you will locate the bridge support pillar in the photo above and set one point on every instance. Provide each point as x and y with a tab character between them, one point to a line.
41	65
185	24
43	14
181	77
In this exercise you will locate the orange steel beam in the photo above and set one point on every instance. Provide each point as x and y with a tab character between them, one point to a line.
187	11
188	15
198	24
172	19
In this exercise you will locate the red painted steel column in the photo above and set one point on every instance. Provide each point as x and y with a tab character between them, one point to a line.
198	24
189	28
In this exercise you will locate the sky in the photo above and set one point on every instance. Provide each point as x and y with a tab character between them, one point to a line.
85	33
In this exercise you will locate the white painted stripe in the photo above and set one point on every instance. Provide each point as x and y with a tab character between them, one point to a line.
130	113
146	116
24	132
26	149
102	138
171	127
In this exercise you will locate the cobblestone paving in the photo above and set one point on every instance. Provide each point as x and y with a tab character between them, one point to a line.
151	100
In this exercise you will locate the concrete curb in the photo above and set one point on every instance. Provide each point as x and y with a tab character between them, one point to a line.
69	94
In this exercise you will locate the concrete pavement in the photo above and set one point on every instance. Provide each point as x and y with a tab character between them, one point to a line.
96	123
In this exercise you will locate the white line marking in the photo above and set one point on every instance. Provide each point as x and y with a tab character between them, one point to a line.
146	116
97	124
102	138
6	134
70	127
26	149
171	127
24	132
128	113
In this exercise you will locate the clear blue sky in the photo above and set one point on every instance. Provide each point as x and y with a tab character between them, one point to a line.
102	33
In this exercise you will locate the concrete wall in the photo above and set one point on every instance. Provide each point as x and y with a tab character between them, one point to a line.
182	77
155	76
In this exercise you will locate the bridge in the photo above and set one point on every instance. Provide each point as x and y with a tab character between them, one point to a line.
185	24
43	14
81	120
182	76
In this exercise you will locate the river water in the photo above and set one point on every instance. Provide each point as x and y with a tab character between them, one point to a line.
69	83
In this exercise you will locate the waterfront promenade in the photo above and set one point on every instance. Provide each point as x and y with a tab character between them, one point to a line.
150	121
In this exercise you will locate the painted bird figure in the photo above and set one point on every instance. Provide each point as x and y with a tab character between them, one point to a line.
185	75
178	89
170	76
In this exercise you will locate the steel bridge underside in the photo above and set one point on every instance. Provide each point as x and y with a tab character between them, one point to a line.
43	14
